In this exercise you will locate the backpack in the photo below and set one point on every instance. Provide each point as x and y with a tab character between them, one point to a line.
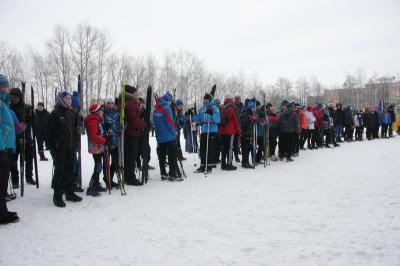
224	116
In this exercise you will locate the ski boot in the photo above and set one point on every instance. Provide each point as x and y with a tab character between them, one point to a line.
71	196
58	201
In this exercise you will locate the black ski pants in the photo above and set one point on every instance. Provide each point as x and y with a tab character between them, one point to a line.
5	163
132	149
28	161
210	154
246	148
227	142
272	145
63	171
286	143
170	149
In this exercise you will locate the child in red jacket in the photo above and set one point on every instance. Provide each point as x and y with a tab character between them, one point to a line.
96	145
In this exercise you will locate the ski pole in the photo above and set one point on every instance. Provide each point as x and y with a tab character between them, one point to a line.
208	135
191	134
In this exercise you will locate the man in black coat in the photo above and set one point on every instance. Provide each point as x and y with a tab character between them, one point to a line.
62	139
22	111
338	121
348	122
288	127
41	115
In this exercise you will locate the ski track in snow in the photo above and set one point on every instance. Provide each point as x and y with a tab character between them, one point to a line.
328	207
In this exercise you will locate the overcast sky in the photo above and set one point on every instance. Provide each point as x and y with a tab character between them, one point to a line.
273	38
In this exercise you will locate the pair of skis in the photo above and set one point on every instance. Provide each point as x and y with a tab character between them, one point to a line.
22	141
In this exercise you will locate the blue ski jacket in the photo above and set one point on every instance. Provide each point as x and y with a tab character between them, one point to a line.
163	122
9	125
209	123
112	125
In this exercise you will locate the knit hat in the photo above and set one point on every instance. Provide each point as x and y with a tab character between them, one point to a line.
208	97
167	96
251	105
228	97
60	99
237	97
4	81
94	108
130	89
76	103
16	92
109	99
40	104
258	103
179	102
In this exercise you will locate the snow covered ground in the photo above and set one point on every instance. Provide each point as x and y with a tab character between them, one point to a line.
329	207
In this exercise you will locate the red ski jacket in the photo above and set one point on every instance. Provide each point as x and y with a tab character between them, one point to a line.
232	127
135	123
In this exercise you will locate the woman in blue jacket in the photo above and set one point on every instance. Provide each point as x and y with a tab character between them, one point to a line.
9	125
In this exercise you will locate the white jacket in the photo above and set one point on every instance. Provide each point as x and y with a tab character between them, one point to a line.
311	120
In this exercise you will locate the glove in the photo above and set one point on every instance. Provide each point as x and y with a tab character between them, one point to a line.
210	110
262	122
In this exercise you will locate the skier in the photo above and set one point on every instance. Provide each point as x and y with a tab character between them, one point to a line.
304	132
311	139
348	123
79	120
62	139
111	119
261	125
20	108
228	128
41	115
180	123
208	118
190	132
133	133
166	138
239	108
385	122
288	126
273	121
96	142
338	121
359	124
248	117
8	128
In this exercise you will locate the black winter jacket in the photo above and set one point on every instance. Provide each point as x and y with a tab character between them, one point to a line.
61	130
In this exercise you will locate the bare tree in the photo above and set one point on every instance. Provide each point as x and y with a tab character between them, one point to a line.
284	86
60	58
303	89
82	43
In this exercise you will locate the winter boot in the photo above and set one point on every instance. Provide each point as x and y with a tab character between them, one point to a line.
230	167
289	159
29	180
71	196
201	169
58	201
92	191
7	217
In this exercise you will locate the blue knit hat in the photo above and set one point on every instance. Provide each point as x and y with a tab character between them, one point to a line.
251	105
76	103
179	102
167	96
4	81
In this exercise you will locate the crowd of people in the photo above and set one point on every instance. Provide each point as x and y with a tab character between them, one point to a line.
228	132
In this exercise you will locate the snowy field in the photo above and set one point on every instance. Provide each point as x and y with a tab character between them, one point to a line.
328	207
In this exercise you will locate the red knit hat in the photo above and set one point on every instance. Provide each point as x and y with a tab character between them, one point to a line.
94	108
